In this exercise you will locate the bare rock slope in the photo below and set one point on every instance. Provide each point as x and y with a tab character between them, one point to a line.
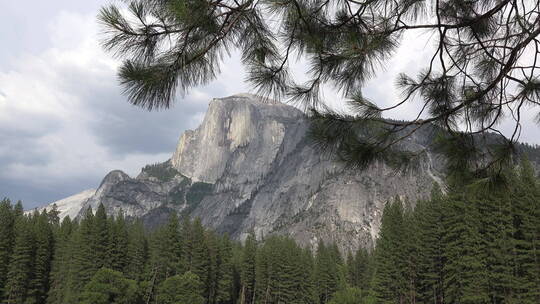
250	167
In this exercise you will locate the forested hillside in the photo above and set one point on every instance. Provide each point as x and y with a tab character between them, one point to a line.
473	244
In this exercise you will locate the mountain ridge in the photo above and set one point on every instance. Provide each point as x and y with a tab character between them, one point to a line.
250	166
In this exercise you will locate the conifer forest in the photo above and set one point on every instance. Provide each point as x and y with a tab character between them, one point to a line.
464	245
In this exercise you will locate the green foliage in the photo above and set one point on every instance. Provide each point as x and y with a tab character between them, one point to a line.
109	287
118	243
389	281
43	246
196	193
281	273
248	270
471	245
466	261
186	288
162	171
201	259
430	247
82	263
165	250
101	239
177	195
190	194
326	272
351	295
359	269
224	272
20	267
137	252
7	238
61	263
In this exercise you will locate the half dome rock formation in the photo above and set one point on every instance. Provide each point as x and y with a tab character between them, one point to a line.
250	167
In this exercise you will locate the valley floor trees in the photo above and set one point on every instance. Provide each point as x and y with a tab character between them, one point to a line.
472	244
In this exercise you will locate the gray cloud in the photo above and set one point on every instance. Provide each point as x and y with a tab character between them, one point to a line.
63	120
136	130
25	25
120	127
37	195
64	123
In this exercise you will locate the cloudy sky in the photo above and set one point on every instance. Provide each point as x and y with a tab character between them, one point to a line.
64	122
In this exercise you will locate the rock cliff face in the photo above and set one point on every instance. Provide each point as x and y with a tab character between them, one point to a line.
250	167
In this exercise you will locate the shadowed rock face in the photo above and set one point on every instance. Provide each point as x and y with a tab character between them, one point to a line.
250	167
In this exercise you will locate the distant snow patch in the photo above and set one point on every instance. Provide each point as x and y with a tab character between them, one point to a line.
69	206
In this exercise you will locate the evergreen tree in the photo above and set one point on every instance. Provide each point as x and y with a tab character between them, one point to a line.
350	268
496	229
109	287
165	250
18	210
526	219
186	288
101	239
214	260
83	257
410	254
249	254
165	255
7	238
431	259
54	215
61	266
200	255
465	278
359	269
351	295
119	243
262	287
43	253
284	280
224	276
21	263
326	272
389	282
186	240
137	252
280	276
305	277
